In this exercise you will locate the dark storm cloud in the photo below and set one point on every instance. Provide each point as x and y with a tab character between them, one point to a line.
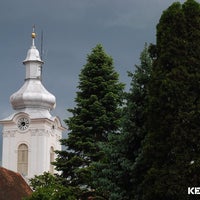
71	29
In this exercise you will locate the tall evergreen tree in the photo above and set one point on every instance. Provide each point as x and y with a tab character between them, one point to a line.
96	115
169	161
113	175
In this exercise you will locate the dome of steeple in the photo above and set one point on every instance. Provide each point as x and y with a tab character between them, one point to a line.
33	94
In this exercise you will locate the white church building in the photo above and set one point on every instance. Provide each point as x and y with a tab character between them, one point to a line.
31	134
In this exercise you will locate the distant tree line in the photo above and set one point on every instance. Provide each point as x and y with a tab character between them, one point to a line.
137	145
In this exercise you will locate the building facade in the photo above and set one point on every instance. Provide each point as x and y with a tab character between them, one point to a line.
31	134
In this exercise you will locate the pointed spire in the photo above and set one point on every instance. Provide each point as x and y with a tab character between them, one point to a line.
33	62
33	35
33	54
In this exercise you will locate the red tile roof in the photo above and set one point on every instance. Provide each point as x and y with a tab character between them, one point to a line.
12	185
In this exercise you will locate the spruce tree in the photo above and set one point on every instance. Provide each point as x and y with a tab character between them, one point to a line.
113	176
169	161
96	115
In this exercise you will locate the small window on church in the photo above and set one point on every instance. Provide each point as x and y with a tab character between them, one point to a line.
52	155
22	159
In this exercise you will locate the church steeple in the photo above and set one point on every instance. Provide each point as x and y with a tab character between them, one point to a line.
33	94
31	134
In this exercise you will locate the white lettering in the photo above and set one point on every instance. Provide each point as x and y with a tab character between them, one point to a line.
193	190
197	190
190	190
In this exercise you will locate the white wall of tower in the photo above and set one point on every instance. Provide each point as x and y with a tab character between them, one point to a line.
40	137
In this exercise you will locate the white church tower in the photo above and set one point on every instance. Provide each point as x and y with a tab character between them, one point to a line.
31	134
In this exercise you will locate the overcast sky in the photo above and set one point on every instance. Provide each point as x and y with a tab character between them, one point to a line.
71	28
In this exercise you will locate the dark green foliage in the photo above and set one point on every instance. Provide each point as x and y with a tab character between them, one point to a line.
49	187
58	192
169	161
96	115
137	104
43	180
113	175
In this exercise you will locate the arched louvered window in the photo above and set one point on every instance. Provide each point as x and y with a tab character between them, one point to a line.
52	155
22	159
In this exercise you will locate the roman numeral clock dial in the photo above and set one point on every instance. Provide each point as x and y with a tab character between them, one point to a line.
23	123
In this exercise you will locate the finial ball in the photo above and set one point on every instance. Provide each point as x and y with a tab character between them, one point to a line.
33	35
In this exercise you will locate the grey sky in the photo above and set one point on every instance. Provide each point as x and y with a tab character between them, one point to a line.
71	29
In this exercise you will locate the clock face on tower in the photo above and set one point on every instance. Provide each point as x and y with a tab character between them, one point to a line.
23	123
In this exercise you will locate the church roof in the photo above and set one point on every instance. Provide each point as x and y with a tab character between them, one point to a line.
12	185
